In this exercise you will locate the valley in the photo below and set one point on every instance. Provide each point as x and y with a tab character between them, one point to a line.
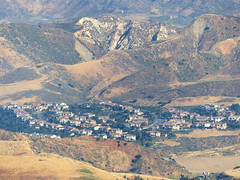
119	89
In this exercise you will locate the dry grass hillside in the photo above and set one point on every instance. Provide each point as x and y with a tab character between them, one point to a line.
198	64
194	64
18	161
110	155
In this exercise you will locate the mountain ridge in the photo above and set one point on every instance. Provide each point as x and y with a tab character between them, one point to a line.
160	70
170	11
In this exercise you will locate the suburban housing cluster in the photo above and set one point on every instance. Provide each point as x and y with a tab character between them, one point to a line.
59	117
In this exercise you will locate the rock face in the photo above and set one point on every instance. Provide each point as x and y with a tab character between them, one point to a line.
110	33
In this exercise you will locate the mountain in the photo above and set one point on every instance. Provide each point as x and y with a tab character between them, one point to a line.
110	58
199	61
171	11
33	57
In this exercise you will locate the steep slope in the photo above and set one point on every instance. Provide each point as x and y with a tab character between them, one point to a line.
108	33
35	159
146	63
182	66
39	44
31	55
111	155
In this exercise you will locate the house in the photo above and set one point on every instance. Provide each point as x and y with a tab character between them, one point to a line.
203	118
217	118
129	137
53	136
171	109
63	113
192	115
40	123
90	121
184	125
75	122
219	125
172	126
115	135
229	113
104	118
89	115
135	124
32	122
115	130
64	119
85	132
164	134
140	120
234	118
104	136
72	129
86	125
154	133
204	124
82	118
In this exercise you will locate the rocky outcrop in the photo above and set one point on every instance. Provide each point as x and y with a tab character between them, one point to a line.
111	33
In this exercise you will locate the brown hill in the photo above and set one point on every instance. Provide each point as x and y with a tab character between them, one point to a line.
185	66
31	54
110	155
201	60
34	155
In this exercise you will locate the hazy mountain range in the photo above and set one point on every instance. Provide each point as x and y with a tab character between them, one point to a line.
172	11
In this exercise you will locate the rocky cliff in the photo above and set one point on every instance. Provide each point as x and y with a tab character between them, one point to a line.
109	33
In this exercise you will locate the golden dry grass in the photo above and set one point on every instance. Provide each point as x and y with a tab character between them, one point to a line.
203	133
209	164
235	173
9	89
20	101
216	152
201	100
49	166
19	162
15	148
14	58
147	177
169	142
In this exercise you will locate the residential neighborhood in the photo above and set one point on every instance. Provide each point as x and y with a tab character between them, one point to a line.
112	120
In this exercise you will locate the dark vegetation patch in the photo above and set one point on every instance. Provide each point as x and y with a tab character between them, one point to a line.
20	74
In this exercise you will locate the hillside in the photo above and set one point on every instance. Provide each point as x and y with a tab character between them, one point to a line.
34	155
171	11
31	55
111	155
200	61
145	63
